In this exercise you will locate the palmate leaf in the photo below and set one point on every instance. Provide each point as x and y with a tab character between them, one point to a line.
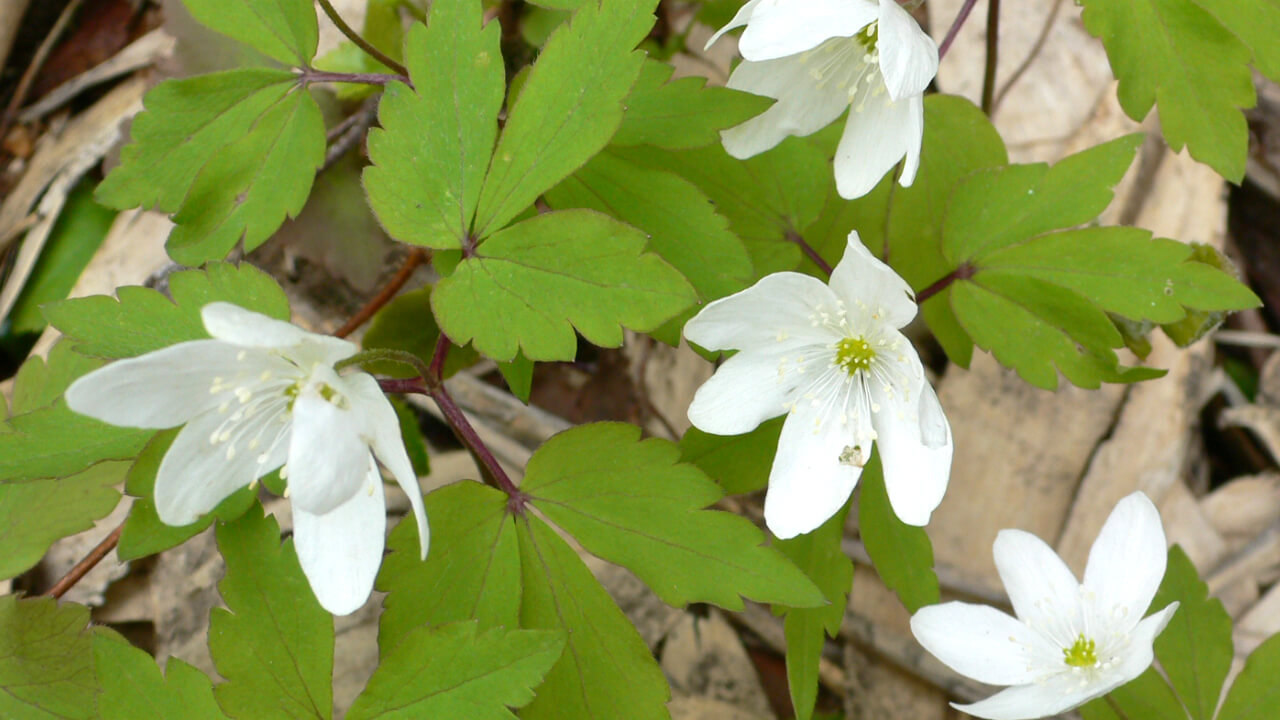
1177	55
1195	648
285	30
739	463
569	107
531	285
134	689
681	114
406	323
46	661
451	672
631	502
1147	696
430	157
901	553
1255	695
273	643
33	515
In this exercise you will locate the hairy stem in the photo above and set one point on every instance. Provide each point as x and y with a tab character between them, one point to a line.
993	47
415	258
808	251
964	272
360	42
955	27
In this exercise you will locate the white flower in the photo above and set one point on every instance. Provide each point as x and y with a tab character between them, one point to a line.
821	57
1072	641
833	360
264	395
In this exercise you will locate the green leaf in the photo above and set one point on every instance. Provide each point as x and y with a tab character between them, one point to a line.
632	503
471	571
1256	24
33	515
1255	695
570	106
76	236
606	671
46	661
186	124
143	320
273	643
285	30
532	284
518	374
134	689
406	323
1147	696
384	30
682	114
740	463
414	444
247	189
430	158
901	553
144	533
1175	53
820	556
681	222
451	672
1195	647
40	382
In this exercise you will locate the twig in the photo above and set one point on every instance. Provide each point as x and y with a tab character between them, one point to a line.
37	62
955	27
82	568
993	52
310	75
360	42
808	251
964	272
411	263
1032	54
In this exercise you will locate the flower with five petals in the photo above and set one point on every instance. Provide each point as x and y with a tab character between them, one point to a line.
263	394
818	58
1071	641
832	359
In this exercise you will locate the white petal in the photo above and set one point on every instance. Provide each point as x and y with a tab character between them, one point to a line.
802	108
1043	591
328	454
981	642
161	389
913	122
233	324
776	310
197	474
741	18
1127	561
915	474
779	28
808	483
388	445
861	277
1141	642
878	133
1055	695
744	392
340	550
908	57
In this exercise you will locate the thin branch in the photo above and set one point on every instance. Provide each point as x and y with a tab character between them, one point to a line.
311	75
82	568
1032	54
964	272
37	62
471	439
955	27
360	42
435	373
347	134
411	263
808	251
993	52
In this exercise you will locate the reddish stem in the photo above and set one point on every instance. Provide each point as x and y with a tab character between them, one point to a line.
808	251
955	27
964	272
411	263
82	568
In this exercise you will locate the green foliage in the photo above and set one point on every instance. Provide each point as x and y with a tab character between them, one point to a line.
531	285
1255	695
382	29
471	572
134	689
901	553
285	30
1176	54
820	556
569	108
740	463
681	114
46	663
1256	24
406	323
429	160
1147	696
451	672
143	320
1195	648
606	671
33	515
273	643
631	502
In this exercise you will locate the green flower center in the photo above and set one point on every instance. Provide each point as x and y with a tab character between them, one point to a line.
854	354
1083	653
867	37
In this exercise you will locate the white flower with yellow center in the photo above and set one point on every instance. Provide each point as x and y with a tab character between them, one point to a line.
818	58
832	359
263	394
1071	641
